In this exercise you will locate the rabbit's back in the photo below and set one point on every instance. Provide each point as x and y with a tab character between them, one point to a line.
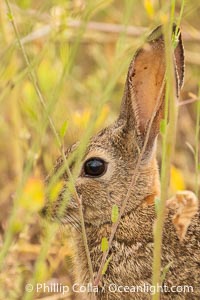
129	273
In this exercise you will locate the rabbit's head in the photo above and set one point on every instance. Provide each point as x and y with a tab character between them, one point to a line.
111	156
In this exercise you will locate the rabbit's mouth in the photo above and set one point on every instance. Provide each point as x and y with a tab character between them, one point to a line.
68	217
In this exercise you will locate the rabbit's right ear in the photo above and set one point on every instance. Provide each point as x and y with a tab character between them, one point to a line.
145	86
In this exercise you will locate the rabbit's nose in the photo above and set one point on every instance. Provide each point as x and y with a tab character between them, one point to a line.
43	212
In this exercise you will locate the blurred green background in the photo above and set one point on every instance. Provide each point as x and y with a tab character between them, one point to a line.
80	51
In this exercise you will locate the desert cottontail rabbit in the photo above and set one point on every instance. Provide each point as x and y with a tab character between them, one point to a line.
106	174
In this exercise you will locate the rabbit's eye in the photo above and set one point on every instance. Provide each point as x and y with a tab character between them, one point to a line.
95	167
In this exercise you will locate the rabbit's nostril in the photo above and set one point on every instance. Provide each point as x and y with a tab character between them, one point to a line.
43	212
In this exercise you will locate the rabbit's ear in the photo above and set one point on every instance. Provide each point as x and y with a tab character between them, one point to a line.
145	86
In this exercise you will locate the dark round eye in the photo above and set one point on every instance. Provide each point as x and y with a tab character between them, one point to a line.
95	167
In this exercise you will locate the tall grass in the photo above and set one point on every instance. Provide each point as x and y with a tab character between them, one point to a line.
101	88
168	143
197	138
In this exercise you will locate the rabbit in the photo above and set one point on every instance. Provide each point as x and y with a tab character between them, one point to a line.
107	169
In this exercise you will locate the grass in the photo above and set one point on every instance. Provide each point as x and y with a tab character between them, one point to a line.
72	77
197	137
168	141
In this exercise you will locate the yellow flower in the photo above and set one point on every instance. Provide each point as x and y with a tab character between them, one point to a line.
177	182
32	198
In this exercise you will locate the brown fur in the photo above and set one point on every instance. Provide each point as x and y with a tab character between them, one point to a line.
120	145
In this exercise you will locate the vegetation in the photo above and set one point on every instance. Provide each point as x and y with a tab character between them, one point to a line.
62	71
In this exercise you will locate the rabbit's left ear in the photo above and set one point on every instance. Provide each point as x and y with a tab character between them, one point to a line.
144	94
